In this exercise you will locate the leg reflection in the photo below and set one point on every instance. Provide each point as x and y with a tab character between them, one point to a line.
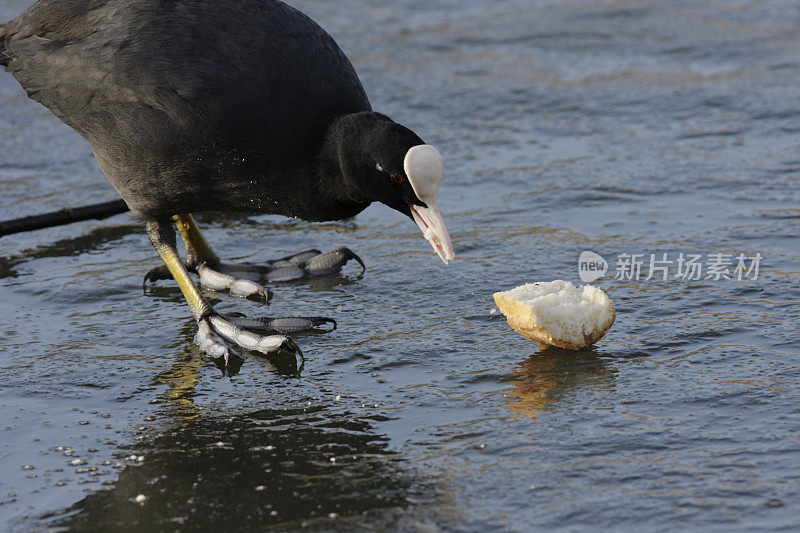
208	467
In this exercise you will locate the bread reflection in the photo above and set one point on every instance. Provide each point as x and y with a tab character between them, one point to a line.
549	375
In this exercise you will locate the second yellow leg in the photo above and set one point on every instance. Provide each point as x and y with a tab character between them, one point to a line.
197	246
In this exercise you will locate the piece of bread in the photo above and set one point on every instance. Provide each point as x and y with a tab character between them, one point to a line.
558	313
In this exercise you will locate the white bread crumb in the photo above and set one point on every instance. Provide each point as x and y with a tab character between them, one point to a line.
558	313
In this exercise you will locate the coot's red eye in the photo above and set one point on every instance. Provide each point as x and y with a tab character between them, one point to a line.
397	178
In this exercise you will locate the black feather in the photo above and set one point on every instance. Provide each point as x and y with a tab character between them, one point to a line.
193	105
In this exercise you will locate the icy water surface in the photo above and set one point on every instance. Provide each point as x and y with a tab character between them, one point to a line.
618	127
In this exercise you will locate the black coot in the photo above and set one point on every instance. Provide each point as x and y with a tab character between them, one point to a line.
236	105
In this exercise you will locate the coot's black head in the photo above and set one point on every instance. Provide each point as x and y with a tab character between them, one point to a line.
390	164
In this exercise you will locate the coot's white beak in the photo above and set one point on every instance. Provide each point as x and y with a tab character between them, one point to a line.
424	167
430	222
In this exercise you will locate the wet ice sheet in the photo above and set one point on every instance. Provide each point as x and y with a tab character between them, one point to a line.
615	127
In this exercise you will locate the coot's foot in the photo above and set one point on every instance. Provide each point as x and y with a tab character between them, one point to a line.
244	279
223	340
224	337
225	277
332	262
240	280
286	325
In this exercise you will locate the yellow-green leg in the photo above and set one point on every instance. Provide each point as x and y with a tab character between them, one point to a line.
197	246
220	337
224	336
163	239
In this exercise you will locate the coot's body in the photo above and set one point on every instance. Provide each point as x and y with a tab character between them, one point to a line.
227	105
193	105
